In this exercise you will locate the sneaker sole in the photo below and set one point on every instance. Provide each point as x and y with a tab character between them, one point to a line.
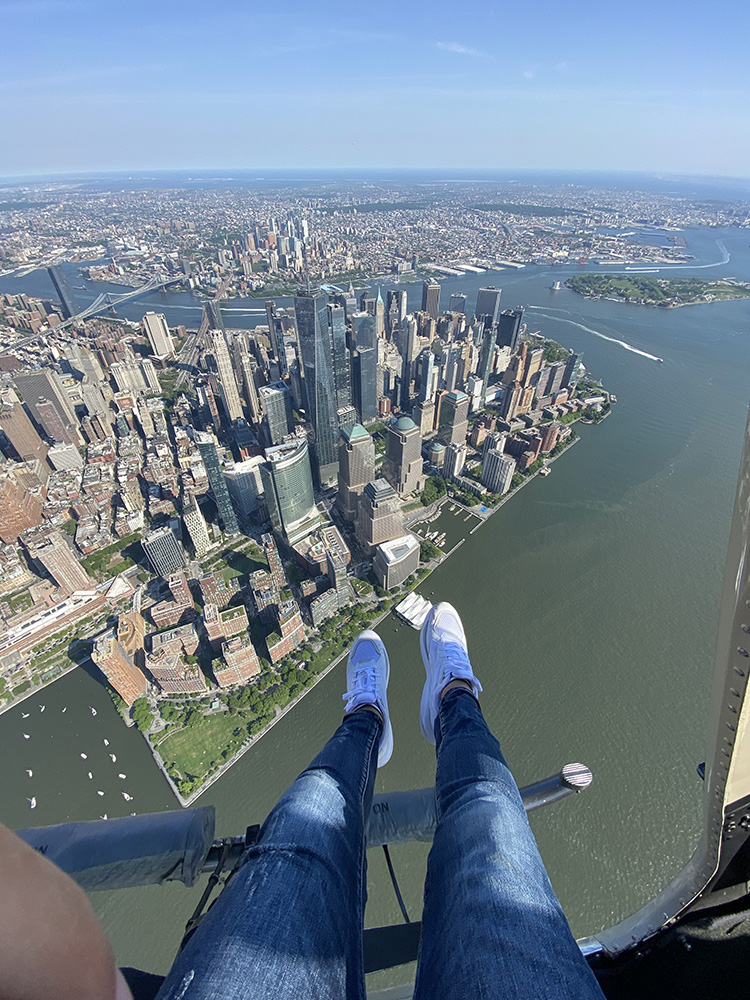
424	708
386	740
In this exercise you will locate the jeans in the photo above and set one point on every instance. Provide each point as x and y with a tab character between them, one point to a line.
289	924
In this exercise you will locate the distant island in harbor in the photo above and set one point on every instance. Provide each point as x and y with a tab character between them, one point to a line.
665	292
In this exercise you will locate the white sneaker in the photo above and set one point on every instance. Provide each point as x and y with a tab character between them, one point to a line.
446	658
367	673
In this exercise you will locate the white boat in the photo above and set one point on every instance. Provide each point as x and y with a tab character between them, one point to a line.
128	798
99	793
30	773
90	775
104	816
113	758
42	708
26	736
93	710
32	802
84	756
65	709
24	715
106	743
122	776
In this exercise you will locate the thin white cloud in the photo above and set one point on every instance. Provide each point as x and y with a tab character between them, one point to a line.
461	50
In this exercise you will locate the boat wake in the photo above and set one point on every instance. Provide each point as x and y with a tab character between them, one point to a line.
596	333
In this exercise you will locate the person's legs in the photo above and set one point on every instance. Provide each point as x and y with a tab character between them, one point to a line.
492	925
289	924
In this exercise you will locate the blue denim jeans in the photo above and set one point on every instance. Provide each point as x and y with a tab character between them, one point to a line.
289	924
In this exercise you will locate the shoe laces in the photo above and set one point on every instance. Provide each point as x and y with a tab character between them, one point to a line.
365	680
456	666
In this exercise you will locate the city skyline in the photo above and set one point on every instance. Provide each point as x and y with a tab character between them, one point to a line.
600	90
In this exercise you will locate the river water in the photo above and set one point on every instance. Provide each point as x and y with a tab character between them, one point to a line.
590	603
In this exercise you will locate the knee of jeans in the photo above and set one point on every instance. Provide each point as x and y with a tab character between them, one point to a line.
315	802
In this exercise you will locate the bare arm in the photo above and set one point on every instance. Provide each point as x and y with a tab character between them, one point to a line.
51	944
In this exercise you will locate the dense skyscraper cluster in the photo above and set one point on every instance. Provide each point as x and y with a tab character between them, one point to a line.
189	439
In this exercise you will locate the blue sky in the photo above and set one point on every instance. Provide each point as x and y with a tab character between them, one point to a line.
159	84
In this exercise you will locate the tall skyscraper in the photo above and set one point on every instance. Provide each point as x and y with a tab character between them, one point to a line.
427	376
157	331
19	509
402	464
196	525
356	469
364	383
55	556
570	367
18	429
275	330
45	383
227	382
497	471
457	303
488	303
534	361
454	460
511	400
52	422
431	298
250	390
116	653
380	517
396	311
509	328
287	483
341	374
83	363
278	421
246	488
379	315
423	415
64	291
409	344
454	418
316	351
365	334
395	561
210	455
164	552
486	356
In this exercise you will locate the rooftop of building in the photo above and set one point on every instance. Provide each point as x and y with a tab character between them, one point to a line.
398	548
179	632
379	489
404	424
237	642
229	614
355	432
130	628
